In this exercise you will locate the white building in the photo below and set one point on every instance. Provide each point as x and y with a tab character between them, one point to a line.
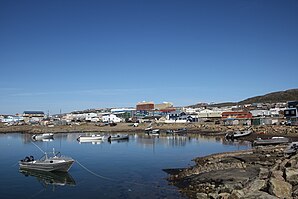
111	118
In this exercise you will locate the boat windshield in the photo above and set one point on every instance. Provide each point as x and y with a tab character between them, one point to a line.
50	154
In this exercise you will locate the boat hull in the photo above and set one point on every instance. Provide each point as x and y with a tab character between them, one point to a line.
43	136
89	138
42	166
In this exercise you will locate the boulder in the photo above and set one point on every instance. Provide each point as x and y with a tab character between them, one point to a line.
256	185
278	174
223	196
264	173
280	188
236	194
259	195
201	196
292	176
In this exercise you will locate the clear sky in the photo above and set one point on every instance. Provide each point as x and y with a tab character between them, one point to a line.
75	55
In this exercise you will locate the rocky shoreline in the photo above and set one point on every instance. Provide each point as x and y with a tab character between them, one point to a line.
261	172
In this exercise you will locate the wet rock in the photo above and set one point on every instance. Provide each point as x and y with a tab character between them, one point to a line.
280	188
292	176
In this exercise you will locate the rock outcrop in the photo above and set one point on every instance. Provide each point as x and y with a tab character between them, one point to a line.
262	172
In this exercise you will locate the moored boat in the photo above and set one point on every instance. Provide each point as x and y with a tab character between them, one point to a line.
48	162
118	137
238	134
271	141
43	136
178	131
153	132
92	137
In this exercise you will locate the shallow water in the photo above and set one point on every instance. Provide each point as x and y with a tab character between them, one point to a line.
127	169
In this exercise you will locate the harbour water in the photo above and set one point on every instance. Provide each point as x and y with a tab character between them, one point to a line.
117	169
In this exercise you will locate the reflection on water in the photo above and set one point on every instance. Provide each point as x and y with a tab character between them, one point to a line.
140	159
50	178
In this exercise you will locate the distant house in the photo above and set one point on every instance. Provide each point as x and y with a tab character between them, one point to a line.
111	118
33	116
291	113
236	118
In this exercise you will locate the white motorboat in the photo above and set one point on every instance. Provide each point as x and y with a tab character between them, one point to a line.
43	136
48	162
118	137
271	141
92	137
153	132
238	134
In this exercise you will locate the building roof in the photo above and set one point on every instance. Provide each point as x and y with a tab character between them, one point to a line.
34	112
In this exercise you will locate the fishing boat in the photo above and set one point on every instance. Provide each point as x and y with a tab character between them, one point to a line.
118	137
271	141
43	136
237	134
153	132
48	162
92	137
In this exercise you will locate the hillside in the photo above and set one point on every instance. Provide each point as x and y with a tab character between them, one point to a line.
281	96
274	97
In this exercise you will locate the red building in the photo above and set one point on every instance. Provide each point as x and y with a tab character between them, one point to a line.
236	115
145	106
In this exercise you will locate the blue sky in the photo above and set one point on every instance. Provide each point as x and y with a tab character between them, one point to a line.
74	55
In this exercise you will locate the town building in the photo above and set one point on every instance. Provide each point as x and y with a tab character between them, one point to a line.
33	116
237	118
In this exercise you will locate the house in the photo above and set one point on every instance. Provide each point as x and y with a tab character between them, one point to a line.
33	116
291	113
179	117
111	118
237	118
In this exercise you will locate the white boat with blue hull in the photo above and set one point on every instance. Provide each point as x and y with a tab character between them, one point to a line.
48	162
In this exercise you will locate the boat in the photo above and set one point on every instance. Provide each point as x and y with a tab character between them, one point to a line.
118	137
153	132
271	141
48	162
178	131
292	148
50	178
43	136
89	138
237	134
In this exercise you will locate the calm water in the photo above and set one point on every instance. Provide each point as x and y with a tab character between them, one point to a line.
131	169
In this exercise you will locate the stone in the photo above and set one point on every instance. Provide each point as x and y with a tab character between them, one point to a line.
280	188
264	173
277	174
223	196
201	196
259	195
236	194
256	185
292	176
